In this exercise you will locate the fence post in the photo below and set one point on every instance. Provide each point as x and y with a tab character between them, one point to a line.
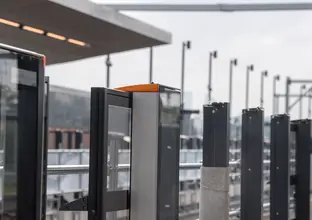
214	198
302	129
252	164
279	167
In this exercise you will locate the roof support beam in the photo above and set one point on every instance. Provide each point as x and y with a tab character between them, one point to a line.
213	7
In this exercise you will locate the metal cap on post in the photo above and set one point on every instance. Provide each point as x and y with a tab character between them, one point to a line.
214	199
279	167
252	164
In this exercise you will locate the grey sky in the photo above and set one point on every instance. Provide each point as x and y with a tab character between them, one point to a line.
279	42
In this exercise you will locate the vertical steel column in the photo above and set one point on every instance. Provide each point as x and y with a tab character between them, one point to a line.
252	164
214	199
78	140
46	143
58	139
309	105
302	129
216	135
279	168
151	65
70	140
288	82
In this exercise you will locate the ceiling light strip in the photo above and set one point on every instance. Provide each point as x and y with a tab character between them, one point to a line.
56	36
42	32
10	23
77	42
32	29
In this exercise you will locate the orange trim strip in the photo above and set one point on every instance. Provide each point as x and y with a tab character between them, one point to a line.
140	88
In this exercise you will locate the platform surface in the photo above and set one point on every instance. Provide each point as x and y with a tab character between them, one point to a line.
103	30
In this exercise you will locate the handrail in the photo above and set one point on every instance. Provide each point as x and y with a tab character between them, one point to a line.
78	169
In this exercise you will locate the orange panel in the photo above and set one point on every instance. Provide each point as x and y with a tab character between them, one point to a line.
140	88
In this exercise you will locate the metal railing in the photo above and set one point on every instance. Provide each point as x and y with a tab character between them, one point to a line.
79	169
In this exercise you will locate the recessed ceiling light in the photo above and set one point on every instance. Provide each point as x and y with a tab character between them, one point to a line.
77	42
10	23
32	29
56	36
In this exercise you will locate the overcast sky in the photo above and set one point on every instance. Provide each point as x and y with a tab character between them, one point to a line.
279	42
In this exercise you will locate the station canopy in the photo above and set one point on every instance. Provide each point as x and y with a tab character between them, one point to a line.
69	30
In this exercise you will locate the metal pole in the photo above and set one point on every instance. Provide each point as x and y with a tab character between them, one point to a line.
302	129
232	63
309	106
263	74
182	74
252	164
300	102
261	90
247	88
275	98
249	68
279	167
214	202
230	88
151	66
288	82
209	78
211	56
108	65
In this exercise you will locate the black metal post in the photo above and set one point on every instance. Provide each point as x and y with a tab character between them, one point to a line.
279	167
78	140
302	129
216	135
70	140
252	164
58	139
108	66
151	66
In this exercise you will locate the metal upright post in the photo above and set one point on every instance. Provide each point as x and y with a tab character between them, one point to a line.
252	164
263	74
232	63
78	140
151	66
309	105
69	139
249	68
302	129
212	55
275	98
302	88
288	82
185	45
214	200
279	167
108	66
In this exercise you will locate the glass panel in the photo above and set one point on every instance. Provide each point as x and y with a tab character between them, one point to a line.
119	215
18	105
119	129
